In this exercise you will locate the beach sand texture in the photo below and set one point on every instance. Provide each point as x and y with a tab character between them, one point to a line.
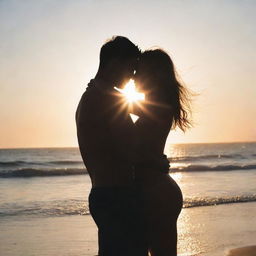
203	231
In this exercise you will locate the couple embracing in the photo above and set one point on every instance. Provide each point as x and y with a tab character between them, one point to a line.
133	201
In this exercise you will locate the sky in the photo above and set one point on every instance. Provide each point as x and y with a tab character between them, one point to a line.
49	50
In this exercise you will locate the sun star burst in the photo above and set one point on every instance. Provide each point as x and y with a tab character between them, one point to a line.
130	92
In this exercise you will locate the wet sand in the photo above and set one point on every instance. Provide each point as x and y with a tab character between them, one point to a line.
203	231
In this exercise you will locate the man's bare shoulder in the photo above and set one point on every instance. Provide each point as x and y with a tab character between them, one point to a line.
88	105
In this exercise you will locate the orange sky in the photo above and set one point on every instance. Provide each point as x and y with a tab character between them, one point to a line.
49	51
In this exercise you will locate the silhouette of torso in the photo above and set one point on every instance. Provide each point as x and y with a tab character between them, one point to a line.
152	129
105	134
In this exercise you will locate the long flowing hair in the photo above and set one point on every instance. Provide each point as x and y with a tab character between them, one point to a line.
163	78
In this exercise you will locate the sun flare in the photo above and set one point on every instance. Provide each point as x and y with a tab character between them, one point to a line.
130	92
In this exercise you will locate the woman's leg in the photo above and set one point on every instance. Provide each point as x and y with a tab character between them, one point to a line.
163	205
163	238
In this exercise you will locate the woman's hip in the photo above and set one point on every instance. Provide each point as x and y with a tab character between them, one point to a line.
163	194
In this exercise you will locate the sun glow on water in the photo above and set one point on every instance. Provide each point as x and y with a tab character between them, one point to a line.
130	92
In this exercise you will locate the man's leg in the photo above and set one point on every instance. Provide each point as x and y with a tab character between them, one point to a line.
119	220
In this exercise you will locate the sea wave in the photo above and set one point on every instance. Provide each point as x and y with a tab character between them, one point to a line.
196	202
80	207
46	208
23	163
29	163
35	172
209	157
199	168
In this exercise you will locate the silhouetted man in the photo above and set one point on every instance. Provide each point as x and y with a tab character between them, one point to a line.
105	136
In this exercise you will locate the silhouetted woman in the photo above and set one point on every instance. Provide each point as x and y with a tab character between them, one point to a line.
166	107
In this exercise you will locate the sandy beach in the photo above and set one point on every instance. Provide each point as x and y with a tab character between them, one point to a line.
209	231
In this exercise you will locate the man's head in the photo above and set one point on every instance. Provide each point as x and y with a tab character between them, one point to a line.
118	59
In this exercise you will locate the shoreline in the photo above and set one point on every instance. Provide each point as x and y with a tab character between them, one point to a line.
199	232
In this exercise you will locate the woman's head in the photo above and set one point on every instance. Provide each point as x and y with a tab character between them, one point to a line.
156	76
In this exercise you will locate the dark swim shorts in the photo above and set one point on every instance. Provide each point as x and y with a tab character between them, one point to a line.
121	227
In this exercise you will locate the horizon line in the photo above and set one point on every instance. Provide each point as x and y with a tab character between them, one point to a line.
59	147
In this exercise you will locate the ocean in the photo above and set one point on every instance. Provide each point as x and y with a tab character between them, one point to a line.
42	183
